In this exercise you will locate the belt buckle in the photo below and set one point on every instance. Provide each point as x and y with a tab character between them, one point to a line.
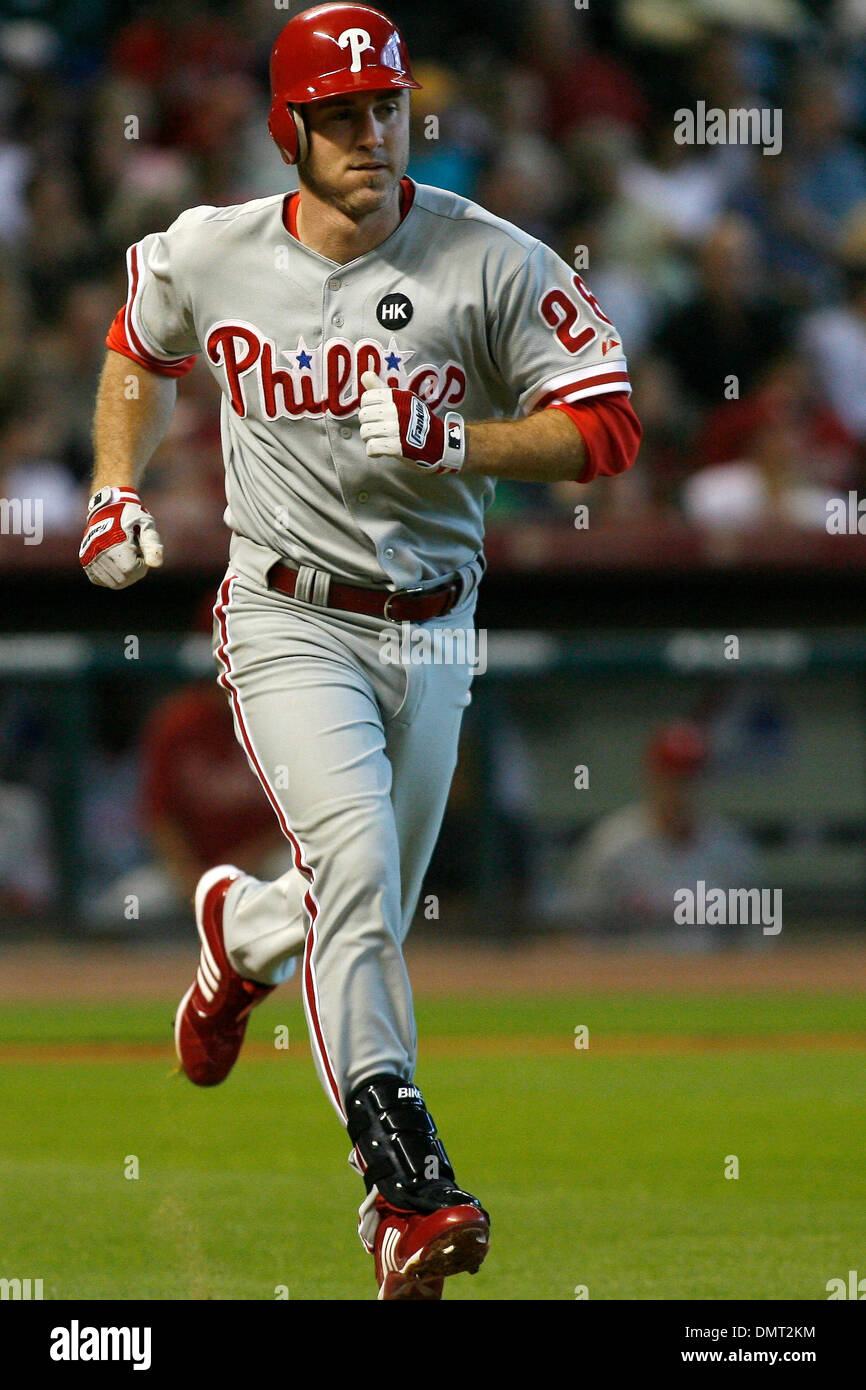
400	593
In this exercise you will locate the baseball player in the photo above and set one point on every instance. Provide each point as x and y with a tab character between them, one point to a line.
385	350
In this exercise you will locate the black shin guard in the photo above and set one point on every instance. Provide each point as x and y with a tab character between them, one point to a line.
396	1137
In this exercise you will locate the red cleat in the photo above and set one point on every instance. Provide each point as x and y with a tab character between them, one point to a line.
212	1016
415	1254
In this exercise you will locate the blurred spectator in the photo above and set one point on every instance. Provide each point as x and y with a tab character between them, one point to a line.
57	246
112	844
26	874
675	23
623	876
121	116
795	260
66	357
173	47
789	393
15	322
525	182
834	337
829	168
627	251
196	802
687	188
682	189
153	188
14	169
202	805
580	83
730	328
32	468
770	484
208	127
450	150
495	766
798	201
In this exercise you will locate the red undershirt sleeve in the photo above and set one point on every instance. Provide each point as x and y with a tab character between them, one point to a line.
118	341
611	432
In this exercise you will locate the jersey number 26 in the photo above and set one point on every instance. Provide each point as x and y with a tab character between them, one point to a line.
561	313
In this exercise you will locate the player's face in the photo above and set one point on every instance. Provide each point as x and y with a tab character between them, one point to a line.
359	149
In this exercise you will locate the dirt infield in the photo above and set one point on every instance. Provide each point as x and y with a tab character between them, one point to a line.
53	973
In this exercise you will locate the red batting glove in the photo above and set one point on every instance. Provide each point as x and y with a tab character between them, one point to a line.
400	425
121	542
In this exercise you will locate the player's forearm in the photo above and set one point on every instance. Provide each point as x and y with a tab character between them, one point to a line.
544	448
133	411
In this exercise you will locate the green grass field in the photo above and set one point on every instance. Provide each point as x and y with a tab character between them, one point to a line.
601	1167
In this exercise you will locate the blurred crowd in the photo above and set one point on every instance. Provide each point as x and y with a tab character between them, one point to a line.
737	278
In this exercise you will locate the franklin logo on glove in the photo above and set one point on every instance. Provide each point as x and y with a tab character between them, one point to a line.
420	426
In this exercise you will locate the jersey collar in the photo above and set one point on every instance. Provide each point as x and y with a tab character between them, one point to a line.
291	201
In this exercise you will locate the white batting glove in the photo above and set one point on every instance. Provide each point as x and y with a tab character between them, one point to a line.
399	424
121	542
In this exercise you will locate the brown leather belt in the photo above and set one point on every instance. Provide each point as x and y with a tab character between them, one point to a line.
404	606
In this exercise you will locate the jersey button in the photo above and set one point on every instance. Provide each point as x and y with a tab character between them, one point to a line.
338	320
346	432
363	496
389	553
335	284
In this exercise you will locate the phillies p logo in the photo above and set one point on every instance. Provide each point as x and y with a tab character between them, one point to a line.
358	40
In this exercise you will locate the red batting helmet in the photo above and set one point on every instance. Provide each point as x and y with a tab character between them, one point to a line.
326	52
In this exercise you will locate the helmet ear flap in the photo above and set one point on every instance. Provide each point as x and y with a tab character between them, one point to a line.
288	131
303	140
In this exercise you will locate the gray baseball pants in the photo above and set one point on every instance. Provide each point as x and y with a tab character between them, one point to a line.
355	753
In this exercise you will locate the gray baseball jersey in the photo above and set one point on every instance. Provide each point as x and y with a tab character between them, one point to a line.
458	305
